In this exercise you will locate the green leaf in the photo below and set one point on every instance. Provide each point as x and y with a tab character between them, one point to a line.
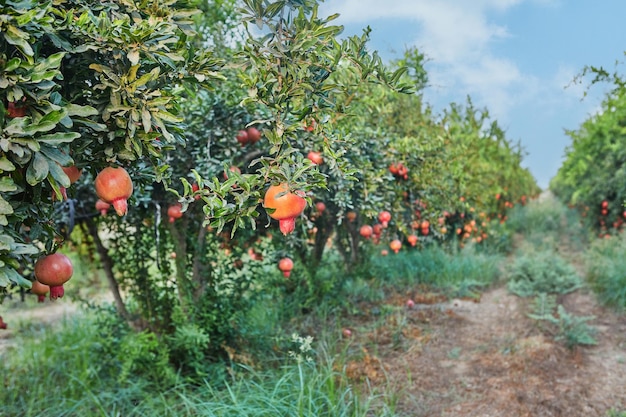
6	165
56	155
5	207
58	138
58	174
7	184
38	169
80	111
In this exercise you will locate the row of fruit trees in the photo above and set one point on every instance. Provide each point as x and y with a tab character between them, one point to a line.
188	149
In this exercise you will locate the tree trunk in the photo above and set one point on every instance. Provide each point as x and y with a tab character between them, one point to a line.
107	266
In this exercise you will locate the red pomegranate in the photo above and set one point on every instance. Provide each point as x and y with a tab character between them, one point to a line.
54	270
40	290
395	245
285	265
286	206
377	229
195	188
412	239
175	212
3	325
114	186
384	217
315	157
15	111
253	135
366	231
102	207
242	137
72	173
321	207
351	216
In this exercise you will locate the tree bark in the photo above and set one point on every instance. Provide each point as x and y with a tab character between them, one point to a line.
107	266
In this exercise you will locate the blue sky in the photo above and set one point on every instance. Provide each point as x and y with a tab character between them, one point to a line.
514	57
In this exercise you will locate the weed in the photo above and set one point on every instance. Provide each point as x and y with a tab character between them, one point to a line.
605	264
568	328
536	272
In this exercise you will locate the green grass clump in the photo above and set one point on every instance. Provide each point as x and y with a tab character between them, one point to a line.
533	272
606	271
458	274
70	371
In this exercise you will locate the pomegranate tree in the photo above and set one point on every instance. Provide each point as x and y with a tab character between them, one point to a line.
284	206
114	186
40	290
285	265
54	270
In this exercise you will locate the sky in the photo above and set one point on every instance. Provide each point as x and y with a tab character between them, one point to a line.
516	58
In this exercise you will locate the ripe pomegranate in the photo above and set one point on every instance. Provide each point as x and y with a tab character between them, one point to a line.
394	169
410	304
384	252
242	137
366	231
320	206
73	173
40	290
286	206
384	217
175	212
253	135
3	325
195	188
315	157
346	333
605	204
285	265
412	239
102	207
377	229
114	186
54	270
15	111
351	216
395	245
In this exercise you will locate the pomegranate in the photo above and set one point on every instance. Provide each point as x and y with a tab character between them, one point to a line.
285	265
351	216
394	169
3	325
320	206
410	304
395	245
384	217
412	239
72	173
346	333
377	229
15	111
253	135
102	207
175	212
40	290
286	206
114	186
315	157
242	137
605	204
366	231
384	252
54	270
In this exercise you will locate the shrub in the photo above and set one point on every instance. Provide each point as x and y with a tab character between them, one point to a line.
605	264
545	271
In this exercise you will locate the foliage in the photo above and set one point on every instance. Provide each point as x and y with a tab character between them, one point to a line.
594	168
75	370
535	272
605	265
566	327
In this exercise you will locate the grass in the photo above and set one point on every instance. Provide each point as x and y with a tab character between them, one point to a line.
456	274
64	372
606	265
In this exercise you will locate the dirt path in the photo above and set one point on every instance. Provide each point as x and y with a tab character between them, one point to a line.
488	359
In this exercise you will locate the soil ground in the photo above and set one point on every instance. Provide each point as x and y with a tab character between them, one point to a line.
486	358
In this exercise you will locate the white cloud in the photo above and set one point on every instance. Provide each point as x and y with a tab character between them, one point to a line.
457	36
